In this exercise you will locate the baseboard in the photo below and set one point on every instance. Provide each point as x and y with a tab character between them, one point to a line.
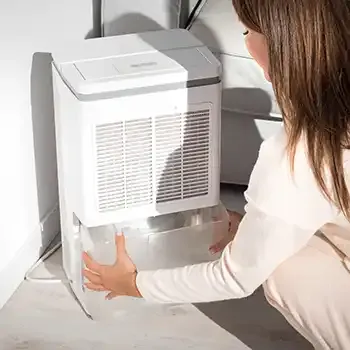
13	274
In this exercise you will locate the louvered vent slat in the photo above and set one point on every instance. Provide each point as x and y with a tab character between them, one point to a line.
124	151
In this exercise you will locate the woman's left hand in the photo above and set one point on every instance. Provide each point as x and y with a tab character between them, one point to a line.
118	279
234	221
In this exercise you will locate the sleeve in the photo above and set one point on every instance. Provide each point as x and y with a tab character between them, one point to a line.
282	214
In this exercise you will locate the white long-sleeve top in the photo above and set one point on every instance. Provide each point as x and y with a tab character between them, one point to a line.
283	212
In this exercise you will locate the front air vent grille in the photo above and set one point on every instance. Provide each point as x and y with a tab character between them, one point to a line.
152	160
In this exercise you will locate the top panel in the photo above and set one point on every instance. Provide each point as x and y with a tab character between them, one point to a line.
135	61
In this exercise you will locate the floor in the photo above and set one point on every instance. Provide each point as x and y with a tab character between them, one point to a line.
46	317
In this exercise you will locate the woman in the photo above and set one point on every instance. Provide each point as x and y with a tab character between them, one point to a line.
295	236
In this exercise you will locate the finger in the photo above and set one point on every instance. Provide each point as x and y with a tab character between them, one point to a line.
214	248
92	277
95	287
111	295
120	244
91	264
235	216
217	247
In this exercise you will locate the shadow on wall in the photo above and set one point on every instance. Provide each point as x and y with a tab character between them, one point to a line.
240	137
96	29
116	20
132	23
44	139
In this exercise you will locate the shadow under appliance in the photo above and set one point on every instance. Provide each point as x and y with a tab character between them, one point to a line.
138	145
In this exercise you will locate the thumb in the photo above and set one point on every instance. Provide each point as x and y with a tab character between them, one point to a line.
120	244
218	246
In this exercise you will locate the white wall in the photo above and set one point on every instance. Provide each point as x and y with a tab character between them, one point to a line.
29	31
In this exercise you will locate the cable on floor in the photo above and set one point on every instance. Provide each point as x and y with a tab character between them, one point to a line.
42	259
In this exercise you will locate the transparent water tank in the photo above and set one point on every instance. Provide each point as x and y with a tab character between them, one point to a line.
166	241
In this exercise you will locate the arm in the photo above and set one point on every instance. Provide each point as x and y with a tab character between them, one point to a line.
261	244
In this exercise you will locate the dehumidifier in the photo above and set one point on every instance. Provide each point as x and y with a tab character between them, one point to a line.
138	146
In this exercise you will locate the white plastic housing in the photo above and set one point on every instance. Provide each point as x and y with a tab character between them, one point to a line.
138	126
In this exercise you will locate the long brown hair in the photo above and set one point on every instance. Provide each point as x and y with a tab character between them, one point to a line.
309	66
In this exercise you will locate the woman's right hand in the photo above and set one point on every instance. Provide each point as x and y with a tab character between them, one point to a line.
234	221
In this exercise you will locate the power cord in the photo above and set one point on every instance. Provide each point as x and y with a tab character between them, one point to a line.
195	13
42	259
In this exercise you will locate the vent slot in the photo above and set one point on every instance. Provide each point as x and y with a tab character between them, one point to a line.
126	171
182	148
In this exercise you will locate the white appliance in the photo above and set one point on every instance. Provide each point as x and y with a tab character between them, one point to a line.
138	146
